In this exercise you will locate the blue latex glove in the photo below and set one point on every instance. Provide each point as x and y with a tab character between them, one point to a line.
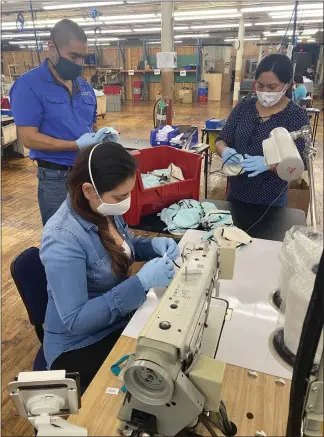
156	273
228	158
254	164
167	246
92	138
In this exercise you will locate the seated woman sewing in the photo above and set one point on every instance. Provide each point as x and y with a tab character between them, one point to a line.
87	252
300	92
251	122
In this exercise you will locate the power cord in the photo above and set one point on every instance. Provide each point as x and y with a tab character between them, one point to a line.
223	423
220	170
271	204
267	210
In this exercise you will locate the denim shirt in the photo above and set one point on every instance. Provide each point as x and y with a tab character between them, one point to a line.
86	302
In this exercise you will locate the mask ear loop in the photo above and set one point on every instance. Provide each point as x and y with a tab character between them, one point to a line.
55	47
90	172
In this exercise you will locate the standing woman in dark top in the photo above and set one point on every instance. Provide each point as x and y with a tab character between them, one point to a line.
251	122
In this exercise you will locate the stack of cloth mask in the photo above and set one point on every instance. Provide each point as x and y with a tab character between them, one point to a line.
162	176
191	214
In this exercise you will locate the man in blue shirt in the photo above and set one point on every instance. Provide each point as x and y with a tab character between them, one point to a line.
55	112
300	91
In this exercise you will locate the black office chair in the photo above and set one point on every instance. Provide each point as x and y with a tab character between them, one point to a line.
29	276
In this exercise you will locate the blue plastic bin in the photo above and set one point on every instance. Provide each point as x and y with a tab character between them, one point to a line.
171	135
214	123
202	91
7	112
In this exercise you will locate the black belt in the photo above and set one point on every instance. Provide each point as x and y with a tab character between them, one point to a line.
53	165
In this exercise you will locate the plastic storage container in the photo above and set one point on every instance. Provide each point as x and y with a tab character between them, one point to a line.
202	99
7	112
137	93
214	123
113	102
202	91
110	89
171	135
153	200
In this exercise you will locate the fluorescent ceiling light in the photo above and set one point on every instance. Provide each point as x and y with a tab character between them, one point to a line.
148	29
181	27
102	39
197	13
219	26
23	35
178	42
80	5
248	38
214	26
22	42
32	45
206	17
153	42
131	21
290	32
274	23
119	18
103	31
303	15
100	44
280	8
197	35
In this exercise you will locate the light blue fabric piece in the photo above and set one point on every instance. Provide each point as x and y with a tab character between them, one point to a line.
216	219
150	181
190	214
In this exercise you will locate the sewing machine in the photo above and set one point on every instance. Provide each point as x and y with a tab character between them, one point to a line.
187	140
169	380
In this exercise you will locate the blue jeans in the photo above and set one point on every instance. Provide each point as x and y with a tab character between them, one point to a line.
52	191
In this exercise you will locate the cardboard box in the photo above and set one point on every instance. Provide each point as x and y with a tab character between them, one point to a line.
185	95
8	134
298	194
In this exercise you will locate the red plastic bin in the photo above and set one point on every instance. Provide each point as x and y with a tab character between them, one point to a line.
202	99
111	89
152	200
138	83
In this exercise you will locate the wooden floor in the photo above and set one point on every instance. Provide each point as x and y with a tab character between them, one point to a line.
21	228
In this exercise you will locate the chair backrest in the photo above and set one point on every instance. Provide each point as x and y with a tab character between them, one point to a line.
29	276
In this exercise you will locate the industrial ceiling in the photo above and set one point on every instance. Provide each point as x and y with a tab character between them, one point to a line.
138	20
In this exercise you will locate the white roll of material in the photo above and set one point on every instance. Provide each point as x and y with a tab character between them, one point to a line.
300	291
301	252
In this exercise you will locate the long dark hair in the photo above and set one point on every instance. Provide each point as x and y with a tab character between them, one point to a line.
280	65
111	165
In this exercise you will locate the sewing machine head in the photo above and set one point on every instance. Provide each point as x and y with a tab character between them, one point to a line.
166	379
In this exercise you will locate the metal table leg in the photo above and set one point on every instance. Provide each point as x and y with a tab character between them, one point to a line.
206	171
315	125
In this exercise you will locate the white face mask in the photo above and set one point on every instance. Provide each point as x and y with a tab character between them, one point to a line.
119	208
270	99
107	209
